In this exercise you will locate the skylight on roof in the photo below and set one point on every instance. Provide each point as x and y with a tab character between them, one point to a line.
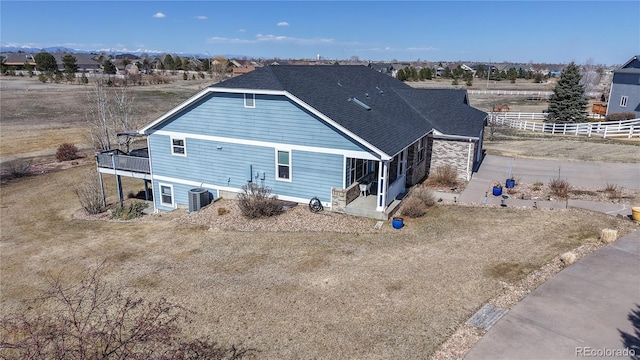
360	103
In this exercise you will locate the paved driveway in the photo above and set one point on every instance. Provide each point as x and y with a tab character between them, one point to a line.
590	309
577	173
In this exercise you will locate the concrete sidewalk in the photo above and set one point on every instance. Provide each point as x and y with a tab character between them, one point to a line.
588	308
592	307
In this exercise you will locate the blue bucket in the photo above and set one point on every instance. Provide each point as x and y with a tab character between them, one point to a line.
510	183
397	223
497	191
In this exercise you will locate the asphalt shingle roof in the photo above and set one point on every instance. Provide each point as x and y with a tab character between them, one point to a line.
398	115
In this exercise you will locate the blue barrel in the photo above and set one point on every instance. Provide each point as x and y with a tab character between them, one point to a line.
397	222
510	183
497	191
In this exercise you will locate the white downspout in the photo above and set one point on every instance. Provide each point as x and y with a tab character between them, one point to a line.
469	157
381	201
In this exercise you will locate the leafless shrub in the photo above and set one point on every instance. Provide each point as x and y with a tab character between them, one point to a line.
425	196
19	168
445	175
537	186
92	320
89	193
256	201
413	208
613	191
67	152
559	188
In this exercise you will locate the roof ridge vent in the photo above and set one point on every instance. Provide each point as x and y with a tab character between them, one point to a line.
360	103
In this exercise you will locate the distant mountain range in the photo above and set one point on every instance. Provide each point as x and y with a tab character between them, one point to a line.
4	48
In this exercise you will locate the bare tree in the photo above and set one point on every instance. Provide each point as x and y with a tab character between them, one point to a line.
109	112
93	320
590	77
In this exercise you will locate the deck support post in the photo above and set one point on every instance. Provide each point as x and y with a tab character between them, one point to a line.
146	190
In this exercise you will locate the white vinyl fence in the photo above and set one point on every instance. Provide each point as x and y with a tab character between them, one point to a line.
534	122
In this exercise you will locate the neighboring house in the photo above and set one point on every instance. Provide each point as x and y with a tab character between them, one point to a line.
19	59
84	62
312	131
625	88
384	68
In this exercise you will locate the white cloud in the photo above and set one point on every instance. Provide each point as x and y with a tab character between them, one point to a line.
201	17
242	30
283	23
422	48
159	15
223	40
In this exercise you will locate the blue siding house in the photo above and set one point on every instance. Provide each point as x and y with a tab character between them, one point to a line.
347	135
625	88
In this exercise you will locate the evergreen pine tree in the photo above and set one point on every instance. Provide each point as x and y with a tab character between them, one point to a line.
568	104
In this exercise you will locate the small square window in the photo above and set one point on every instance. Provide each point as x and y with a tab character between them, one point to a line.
623	101
250	100
178	147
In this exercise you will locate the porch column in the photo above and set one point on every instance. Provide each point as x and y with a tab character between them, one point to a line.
383	178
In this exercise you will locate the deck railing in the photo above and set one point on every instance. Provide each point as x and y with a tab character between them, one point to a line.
123	162
534	122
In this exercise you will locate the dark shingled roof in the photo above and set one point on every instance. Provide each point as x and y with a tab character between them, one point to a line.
398	114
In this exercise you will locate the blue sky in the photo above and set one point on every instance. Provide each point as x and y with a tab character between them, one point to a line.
604	32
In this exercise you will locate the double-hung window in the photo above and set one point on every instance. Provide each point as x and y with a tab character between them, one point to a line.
166	195
283	165
623	101
178	147
421	149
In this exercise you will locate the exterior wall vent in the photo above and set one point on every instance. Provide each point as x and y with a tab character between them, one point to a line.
198	198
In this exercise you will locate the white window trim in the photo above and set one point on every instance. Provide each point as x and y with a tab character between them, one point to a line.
184	141
290	165
623	101
253	97
173	197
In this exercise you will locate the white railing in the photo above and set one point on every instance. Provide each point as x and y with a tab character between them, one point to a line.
533	122
511	92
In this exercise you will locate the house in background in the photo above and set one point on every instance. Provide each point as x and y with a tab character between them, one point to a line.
350	136
625	88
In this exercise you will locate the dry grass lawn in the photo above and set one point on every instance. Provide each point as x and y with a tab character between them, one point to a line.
527	144
392	294
35	118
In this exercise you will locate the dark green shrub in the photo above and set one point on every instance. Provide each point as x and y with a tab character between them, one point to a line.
134	210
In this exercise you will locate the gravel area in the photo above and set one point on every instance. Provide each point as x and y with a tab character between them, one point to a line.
295	219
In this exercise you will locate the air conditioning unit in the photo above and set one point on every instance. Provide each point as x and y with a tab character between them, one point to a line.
198	198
